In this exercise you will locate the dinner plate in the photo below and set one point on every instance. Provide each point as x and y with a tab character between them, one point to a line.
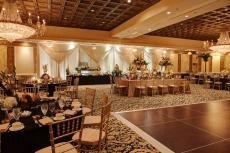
17	129
59	118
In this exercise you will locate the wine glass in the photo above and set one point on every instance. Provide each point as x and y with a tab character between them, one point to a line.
16	113
52	107
61	103
44	108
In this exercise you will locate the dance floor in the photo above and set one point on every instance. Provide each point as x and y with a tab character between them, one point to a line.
197	128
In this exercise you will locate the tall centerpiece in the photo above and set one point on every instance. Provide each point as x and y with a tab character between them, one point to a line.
45	76
165	63
140	63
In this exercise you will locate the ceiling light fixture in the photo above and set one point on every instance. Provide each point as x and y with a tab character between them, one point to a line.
168	12
12	27
129	1
186	16
223	43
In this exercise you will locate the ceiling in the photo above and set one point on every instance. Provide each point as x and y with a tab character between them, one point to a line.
86	14
202	27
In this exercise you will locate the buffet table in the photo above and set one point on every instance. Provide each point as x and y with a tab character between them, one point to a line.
131	84
91	79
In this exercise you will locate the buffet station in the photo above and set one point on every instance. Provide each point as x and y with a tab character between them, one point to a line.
89	76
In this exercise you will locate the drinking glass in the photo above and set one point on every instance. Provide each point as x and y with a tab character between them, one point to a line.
61	103
52	107
44	108
16	113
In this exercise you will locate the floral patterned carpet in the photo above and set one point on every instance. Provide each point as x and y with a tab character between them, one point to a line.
122	139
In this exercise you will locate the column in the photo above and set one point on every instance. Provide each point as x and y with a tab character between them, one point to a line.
179	62
10	57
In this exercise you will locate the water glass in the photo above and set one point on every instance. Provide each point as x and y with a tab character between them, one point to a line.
44	108
52	107
61	103
16	113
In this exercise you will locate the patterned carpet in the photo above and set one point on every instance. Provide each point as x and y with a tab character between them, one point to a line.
121	139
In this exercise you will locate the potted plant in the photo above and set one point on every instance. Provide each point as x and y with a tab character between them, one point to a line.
205	57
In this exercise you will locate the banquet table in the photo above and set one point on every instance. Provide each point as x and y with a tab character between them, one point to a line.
91	79
131	84
28	140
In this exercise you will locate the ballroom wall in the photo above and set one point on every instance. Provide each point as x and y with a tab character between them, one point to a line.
24	60
3	57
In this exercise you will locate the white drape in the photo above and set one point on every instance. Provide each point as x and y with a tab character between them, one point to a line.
104	56
70	61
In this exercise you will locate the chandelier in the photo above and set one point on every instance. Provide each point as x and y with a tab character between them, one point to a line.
12	27
223	43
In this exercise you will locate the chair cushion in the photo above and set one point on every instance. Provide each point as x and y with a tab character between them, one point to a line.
60	149
89	135
92	120
140	87
152	87
86	110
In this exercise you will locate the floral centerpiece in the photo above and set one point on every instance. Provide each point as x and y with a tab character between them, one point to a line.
116	71
165	61
205	57
139	62
10	102
45	76
7	81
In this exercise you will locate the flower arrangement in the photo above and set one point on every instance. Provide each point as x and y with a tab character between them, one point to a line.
165	61
10	102
116	71
45	68
7	81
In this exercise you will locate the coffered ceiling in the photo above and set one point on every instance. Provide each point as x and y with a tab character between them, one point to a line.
203	27
86	14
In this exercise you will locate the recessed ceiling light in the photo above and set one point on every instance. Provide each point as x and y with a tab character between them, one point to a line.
129	1
94	47
168	12
102	22
186	16
92	10
149	29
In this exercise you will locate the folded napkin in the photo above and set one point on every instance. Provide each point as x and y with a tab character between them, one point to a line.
76	103
3	127
69	112
45	120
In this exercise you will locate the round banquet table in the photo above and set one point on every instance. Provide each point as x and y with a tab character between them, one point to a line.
28	140
131	84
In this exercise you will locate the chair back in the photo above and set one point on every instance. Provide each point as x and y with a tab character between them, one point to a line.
60	88
89	97
68	81
1	92
76	81
105	114
64	129
216	78
30	89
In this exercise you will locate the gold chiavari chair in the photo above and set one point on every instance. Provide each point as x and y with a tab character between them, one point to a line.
174	87
95	137
227	84
217	83
118	87
111	83
1	92
68	81
207	82
30	89
76	81
141	86
64	129
95	120
163	88
88	102
60	88
153	88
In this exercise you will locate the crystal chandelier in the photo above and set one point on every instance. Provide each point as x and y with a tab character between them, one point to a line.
12	27
223	43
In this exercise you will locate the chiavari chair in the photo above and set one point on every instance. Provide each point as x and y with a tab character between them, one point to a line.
68	81
95	120
207	82
95	137
88	102
140	87
227	84
153	88
174	87
217	83
63	130
30	89
118	87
